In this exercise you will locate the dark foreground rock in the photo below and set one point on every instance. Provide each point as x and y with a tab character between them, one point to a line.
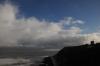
84	55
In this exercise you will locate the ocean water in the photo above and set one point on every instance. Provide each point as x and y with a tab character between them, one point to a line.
8	58
14	62
21	61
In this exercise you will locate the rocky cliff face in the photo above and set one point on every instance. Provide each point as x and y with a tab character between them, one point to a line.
84	55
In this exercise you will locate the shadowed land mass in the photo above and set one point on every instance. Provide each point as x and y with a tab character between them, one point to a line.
84	55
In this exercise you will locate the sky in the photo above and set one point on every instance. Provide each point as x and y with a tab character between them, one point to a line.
49	23
54	10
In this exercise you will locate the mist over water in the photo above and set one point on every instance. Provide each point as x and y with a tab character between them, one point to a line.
23	55
12	61
21	61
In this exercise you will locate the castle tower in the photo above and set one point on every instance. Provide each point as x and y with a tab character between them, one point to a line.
92	43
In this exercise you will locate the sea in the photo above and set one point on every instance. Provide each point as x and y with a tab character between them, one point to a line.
36	58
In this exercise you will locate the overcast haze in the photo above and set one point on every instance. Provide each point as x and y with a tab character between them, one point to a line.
18	28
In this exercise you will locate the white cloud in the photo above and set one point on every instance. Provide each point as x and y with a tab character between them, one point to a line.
92	36
71	21
31	31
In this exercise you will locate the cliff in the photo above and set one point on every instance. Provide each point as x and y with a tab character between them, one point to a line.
84	55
